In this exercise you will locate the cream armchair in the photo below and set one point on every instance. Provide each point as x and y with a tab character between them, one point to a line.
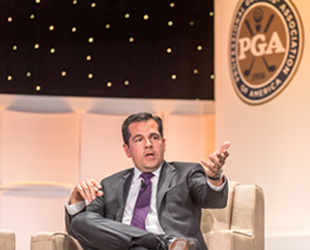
7	240
239	226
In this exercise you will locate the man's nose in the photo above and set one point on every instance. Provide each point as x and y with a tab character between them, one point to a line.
148	143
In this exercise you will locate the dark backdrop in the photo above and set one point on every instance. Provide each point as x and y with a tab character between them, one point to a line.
107	48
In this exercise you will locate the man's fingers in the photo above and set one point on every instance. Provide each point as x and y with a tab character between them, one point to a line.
212	171
99	193
225	153
94	187
81	191
95	184
215	160
86	190
97	188
222	158
206	163
89	188
224	146
210	166
220	155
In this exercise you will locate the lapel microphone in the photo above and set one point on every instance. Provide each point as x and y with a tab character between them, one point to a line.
143	184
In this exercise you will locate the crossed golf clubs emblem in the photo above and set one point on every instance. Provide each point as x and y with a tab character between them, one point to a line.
258	15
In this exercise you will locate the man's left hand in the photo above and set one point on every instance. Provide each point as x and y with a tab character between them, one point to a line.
216	162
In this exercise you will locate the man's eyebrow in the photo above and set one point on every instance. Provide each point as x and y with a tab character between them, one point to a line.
140	135
137	135
154	133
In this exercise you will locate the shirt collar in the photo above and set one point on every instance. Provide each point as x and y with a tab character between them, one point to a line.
137	172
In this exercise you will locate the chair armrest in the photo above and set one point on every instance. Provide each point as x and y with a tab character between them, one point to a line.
7	240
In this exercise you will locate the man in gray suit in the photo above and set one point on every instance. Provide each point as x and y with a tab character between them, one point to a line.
177	193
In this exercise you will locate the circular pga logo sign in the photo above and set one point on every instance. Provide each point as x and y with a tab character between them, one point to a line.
265	48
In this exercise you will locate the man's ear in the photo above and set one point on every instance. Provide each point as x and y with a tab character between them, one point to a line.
126	149
164	141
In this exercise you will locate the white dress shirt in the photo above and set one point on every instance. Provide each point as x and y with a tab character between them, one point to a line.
151	222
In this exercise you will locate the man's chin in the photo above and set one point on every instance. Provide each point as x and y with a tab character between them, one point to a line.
151	168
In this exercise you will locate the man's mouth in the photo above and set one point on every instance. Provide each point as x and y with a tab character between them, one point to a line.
149	155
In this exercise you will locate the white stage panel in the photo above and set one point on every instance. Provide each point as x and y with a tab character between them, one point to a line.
40	147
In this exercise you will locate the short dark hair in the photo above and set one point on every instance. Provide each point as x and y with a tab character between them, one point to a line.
139	117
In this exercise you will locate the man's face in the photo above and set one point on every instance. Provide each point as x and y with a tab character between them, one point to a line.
146	145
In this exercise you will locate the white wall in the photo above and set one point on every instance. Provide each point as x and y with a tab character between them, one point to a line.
270	142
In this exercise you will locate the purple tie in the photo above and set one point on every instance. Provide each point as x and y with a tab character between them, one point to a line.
143	202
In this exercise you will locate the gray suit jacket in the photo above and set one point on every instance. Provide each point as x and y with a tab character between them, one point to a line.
182	193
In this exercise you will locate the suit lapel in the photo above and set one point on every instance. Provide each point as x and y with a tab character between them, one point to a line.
122	193
166	175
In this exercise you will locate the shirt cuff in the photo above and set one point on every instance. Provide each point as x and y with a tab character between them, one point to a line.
218	188
75	208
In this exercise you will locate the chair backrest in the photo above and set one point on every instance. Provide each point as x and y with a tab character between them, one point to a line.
7	240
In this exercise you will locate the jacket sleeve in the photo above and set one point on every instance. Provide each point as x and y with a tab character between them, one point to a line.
202	193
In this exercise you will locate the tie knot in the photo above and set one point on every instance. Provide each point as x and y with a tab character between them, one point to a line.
146	176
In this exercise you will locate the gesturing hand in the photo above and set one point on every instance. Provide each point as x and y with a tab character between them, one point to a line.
216	161
89	190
